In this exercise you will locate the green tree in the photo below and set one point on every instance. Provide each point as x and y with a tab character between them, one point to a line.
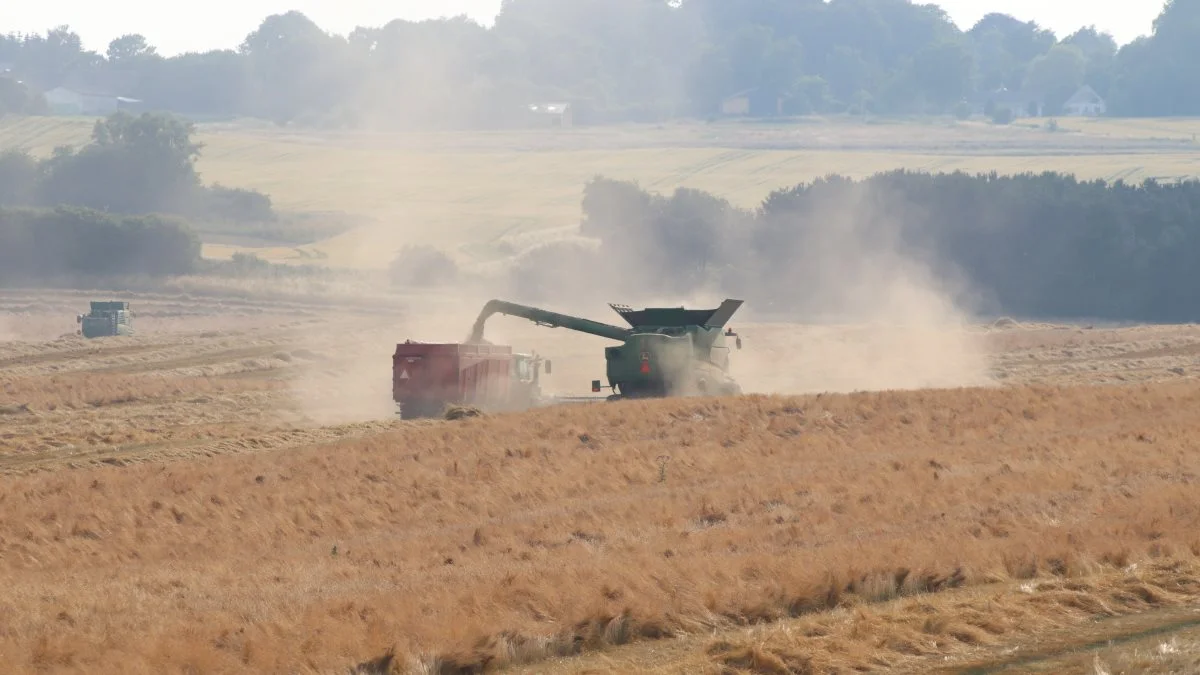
1156	75
295	67
1143	84
752	59
161	141
1035	245
140	164
51	245
1096	46
848	73
1056	75
17	98
1100	50
942	72
19	176
129	48
1004	49
626	60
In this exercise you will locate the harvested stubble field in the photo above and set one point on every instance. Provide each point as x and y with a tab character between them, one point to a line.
226	492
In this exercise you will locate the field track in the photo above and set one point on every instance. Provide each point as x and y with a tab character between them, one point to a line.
219	490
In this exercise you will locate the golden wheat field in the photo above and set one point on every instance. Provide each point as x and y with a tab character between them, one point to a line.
228	491
472	192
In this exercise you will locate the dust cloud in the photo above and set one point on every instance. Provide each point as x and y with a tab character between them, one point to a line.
861	308
855	308
342	372
912	340
348	388
8	332
889	319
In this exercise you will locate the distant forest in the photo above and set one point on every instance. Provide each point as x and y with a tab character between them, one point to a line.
625	60
1032	245
122	204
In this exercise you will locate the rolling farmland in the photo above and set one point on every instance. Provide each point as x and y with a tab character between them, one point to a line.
219	489
229	491
471	191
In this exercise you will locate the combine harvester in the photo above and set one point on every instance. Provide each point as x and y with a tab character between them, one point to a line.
666	351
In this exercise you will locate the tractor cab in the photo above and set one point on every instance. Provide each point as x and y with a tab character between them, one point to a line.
106	318
526	377
526	368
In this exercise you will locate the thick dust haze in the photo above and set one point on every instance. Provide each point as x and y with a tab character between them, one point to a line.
346	373
852	307
879	316
8	331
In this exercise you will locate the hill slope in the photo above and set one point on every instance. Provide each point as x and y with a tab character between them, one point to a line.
676	515
477	190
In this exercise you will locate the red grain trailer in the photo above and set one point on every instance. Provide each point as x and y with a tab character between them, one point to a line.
428	377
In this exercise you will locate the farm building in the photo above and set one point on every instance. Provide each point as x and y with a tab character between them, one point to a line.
1085	103
64	101
554	114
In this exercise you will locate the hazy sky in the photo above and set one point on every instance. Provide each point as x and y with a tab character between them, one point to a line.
178	27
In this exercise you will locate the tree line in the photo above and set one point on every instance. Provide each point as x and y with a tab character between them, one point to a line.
1033	245
124	203
627	60
65	243
133	165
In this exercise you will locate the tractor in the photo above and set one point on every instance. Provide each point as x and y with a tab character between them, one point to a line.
107	319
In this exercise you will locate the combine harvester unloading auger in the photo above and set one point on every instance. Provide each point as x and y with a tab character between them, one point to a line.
666	351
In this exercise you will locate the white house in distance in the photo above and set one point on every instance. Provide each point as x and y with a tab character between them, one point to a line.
1084	103
64	101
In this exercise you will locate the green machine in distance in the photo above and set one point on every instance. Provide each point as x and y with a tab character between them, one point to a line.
666	351
107	319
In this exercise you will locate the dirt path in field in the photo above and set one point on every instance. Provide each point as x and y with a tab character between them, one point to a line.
1073	642
1077	650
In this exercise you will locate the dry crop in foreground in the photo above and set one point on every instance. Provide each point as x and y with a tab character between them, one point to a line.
490	540
1024	627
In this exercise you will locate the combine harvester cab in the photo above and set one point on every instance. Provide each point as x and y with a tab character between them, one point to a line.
427	378
106	319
